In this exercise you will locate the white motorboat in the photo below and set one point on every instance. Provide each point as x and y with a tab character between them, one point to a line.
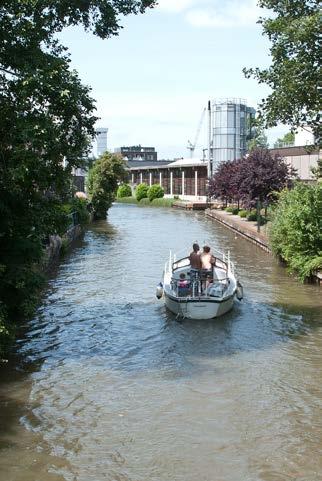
199	298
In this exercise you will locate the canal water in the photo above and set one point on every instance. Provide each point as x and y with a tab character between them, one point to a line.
108	385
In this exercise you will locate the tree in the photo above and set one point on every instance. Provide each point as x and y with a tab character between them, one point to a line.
220	185
296	234
317	172
225	183
251	179
294	74
102	183
46	123
285	141
262	174
257	137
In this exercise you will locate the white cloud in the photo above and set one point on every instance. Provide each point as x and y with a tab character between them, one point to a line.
164	121
175	5
225	15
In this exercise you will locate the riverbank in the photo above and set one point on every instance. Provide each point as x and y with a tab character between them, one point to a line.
243	227
54	251
248	230
160	202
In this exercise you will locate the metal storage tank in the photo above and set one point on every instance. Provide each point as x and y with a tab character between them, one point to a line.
231	128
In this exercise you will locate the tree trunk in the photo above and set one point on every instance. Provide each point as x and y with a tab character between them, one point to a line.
258	213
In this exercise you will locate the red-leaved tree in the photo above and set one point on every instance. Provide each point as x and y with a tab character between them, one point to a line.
250	179
263	174
224	183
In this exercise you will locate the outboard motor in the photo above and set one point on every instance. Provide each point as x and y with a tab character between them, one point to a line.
159	290
239	291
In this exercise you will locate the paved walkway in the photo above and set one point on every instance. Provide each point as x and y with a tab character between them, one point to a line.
241	226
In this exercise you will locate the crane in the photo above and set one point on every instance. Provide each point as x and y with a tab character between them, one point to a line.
191	146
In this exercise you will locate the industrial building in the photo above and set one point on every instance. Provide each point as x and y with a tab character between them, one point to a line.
187	178
100	142
138	153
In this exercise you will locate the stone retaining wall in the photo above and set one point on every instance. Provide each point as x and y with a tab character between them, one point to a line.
242	227
53	250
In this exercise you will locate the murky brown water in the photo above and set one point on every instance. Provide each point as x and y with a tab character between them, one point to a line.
108	385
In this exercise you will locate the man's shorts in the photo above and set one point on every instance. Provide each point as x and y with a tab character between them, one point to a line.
206	274
194	275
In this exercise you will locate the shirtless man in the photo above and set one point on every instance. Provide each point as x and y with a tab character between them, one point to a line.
195	262
207	262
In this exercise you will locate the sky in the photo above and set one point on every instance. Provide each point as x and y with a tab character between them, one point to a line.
153	80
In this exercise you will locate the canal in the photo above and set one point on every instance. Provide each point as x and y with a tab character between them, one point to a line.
108	385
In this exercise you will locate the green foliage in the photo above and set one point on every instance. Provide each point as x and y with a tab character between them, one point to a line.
141	192
252	216
259	138
159	202
103	178
162	202
317	171
232	210
243	213
124	190
293	29
155	192
145	201
79	207
127	200
296	234
285	141
46	124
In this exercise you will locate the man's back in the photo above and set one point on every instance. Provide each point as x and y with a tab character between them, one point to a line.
195	260
207	260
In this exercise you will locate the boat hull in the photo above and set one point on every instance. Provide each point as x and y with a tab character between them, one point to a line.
198	308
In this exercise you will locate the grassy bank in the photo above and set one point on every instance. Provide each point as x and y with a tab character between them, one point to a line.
127	200
162	202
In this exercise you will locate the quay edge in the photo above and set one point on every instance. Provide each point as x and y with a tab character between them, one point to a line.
244	228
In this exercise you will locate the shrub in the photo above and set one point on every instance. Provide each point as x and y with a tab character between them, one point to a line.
141	192
80	207
252	216
243	213
232	210
155	192
295	233
124	190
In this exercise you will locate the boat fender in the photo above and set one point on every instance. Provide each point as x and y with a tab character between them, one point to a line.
159	290
239	291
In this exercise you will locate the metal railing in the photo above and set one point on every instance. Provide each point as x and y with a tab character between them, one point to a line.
73	219
223	261
197	288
